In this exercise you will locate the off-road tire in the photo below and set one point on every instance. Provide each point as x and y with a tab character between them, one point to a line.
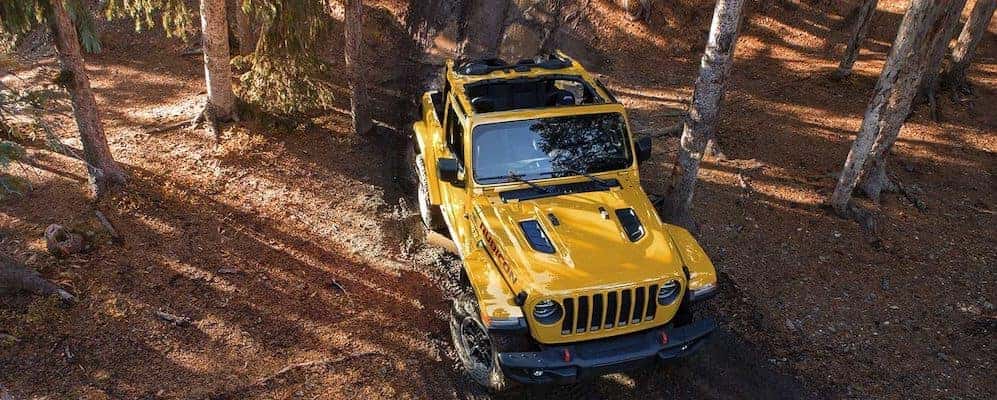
430	214
464	310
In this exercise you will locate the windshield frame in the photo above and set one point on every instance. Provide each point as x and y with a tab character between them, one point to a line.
520	115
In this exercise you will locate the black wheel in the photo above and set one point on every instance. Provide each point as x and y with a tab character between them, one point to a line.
431	215
475	350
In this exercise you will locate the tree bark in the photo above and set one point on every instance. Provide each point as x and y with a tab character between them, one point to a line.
891	100
864	19
359	101
939	46
217	68
485	26
970	37
105	173
243	30
704	111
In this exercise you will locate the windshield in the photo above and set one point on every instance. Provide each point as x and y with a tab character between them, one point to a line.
549	147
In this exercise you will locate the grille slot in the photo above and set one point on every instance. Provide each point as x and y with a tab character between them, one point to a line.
639	302
597	312
625	303
583	314
567	326
608	310
652	302
611	306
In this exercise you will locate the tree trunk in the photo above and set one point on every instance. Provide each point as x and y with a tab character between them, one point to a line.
243	30
864	19
105	173
891	100
359	101
217	68
965	46
485	26
704	111
939	46
874	180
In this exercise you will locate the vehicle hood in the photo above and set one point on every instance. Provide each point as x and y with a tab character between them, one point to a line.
592	249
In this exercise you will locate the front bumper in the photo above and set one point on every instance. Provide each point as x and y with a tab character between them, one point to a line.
564	364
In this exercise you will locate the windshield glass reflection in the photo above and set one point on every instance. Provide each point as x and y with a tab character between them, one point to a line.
549	147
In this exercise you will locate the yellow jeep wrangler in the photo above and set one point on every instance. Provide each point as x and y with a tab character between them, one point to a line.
568	272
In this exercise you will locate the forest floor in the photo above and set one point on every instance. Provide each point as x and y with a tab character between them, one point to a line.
287	245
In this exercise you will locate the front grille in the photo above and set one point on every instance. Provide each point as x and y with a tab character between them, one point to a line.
608	310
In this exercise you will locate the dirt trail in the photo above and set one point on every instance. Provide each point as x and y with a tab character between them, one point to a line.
286	245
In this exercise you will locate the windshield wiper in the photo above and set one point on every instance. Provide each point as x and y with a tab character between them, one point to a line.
513	176
603	183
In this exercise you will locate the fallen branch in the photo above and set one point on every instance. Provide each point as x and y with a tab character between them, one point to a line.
196	51
16	277
108	227
229	271
322	363
170	127
176	320
340	287
908	193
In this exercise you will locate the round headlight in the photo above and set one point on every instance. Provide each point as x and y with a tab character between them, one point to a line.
668	292
547	312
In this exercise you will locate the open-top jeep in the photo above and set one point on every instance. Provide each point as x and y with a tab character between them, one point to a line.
568	272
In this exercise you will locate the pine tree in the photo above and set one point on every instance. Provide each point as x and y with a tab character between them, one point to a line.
864	16
217	61
353	53
939	46
970	37
889	106
704	111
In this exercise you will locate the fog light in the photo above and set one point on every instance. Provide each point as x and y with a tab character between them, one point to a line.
668	292
547	312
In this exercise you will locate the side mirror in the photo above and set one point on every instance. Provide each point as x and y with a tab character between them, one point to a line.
448	170
643	149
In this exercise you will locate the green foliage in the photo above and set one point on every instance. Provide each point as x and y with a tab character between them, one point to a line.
86	28
283	84
173	15
20	16
285	74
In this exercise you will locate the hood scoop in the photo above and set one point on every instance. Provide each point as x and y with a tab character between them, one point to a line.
631	224
536	236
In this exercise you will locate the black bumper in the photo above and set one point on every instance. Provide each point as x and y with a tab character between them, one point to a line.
605	356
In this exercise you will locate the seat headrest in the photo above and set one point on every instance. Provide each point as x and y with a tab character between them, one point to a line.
561	98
